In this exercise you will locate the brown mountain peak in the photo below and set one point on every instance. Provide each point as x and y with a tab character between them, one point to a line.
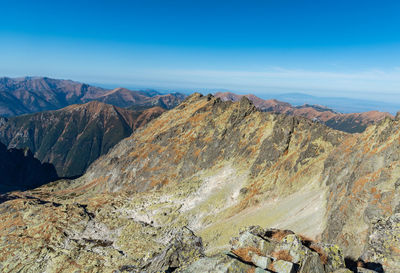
91	107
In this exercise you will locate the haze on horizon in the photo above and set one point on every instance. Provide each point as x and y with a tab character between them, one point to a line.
323	48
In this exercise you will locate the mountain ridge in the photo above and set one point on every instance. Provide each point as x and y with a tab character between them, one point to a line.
72	137
34	94
204	166
215	167
350	122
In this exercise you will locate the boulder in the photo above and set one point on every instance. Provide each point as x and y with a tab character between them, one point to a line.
292	245
250	242
184	248
258	250
312	264
262	262
331	255
281	266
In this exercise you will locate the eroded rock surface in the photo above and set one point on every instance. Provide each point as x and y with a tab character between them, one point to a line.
273	250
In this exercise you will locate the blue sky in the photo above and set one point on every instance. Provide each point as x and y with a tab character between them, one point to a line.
346	48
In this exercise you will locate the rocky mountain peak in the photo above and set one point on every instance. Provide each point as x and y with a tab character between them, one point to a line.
208	168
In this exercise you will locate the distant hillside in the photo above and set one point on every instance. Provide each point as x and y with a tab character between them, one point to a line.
351	123
123	97
19	170
73	137
34	94
341	104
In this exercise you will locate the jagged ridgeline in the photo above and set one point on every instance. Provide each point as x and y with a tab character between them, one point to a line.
350	123
208	168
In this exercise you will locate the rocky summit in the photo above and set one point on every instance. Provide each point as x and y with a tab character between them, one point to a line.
218	186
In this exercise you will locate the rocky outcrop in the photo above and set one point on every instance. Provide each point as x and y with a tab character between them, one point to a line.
383	246
273	250
351	123
100	235
184	248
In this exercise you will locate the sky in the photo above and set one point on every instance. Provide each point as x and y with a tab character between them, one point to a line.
330	48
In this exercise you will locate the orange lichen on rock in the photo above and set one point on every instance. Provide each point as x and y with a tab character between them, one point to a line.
359	185
245	253
282	255
322	254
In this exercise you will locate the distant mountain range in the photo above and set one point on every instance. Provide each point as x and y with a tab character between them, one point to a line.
73	137
339	104
351	123
34	94
64	125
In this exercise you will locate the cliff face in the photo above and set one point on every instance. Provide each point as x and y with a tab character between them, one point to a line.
214	167
73	137
351	123
20	170
363	178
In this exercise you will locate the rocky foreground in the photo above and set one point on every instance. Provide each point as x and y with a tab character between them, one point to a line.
207	169
254	250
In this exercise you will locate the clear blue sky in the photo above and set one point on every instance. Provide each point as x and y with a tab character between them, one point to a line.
321	47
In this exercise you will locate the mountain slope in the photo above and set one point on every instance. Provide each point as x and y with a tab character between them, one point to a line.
73	137
20	170
209	129
351	123
363	175
34	94
214	167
